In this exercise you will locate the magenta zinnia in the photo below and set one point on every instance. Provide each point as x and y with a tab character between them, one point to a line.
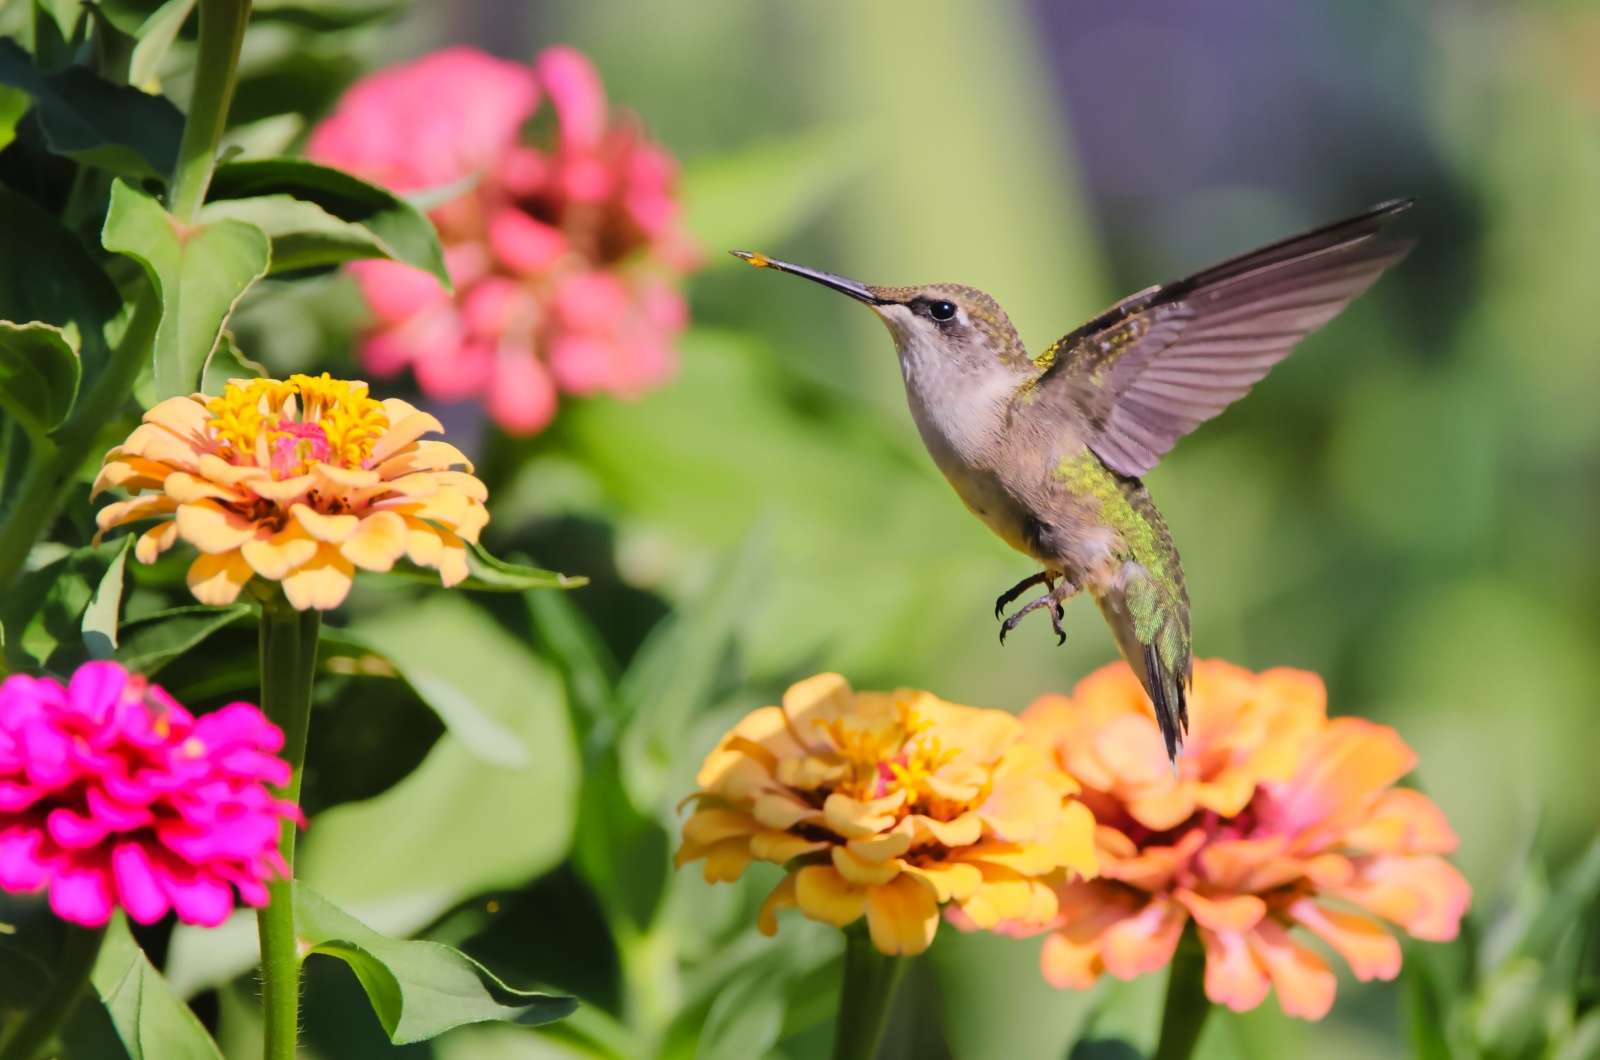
112	794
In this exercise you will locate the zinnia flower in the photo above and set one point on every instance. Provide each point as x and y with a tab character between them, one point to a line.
889	806
563	256
1277	824
298	482
111	794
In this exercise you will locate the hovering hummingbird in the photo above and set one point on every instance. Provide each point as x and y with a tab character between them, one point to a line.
1048	451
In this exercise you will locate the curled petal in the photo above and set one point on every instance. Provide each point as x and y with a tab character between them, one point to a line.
822	894
155	541
1145	941
861	872
274	556
321	582
330	528
1424	894
1234	977
781	897
855	819
1304	982
1370	950
217	579
377	543
1235	914
212	528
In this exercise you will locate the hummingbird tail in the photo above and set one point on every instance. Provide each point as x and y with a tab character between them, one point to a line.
1151	625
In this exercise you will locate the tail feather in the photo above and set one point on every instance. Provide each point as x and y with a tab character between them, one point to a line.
1151	625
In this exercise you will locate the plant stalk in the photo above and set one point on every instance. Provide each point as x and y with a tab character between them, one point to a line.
288	662
1183	1016
52	466
78	955
222	25
867	996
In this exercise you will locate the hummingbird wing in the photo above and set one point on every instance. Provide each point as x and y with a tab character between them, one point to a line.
1158	364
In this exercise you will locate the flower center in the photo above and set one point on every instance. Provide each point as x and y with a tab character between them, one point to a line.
287	426
902	755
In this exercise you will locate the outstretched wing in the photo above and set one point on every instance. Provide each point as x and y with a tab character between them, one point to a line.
1158	364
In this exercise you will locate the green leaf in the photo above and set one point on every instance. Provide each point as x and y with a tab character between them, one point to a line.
746	1018
155	35
46	275
325	15
149	643
100	617
759	196
487	574
96	122
322	216
14	103
228	363
200	272
456	826
477	729
151	1020
39	370
417	989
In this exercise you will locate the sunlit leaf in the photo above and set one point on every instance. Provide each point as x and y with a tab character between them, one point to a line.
488	574
14	103
321	216
100	617
152	1021
417	989
39	372
200	273
85	117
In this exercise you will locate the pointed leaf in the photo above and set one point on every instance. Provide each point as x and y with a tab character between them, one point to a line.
491	575
14	103
228	363
92	120
350	218
417	989
100	617
39	371
200	272
152	1021
152	641
155	35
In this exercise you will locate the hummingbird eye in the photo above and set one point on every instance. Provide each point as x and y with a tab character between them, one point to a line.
942	310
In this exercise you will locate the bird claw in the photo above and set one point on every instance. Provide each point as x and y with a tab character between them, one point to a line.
1052	600
1018	589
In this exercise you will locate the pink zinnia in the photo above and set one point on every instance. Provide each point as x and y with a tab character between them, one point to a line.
564	256
111	794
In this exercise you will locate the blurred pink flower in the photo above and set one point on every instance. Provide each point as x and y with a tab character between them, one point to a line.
563	256
111	794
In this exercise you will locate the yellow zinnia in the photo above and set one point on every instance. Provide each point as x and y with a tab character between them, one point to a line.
889	806
297	481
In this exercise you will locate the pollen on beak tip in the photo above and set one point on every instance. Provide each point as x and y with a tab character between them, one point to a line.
758	260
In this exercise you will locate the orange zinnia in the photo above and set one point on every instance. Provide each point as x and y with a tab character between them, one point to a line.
889	806
297	481
1275	819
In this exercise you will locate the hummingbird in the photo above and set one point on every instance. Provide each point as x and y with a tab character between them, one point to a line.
1049	451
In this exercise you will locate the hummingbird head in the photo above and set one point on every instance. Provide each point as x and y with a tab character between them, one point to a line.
944	334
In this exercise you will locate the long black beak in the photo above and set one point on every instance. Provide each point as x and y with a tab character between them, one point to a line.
855	290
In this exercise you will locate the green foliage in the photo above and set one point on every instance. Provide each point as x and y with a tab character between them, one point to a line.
39	372
152	1021
199	273
94	121
417	989
317	217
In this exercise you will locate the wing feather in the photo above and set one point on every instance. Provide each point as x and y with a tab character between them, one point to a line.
1155	366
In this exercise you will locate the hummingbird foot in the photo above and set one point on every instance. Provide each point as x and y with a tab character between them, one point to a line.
1055	600
1044	578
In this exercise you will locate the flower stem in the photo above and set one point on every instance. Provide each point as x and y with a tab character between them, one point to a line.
865	999
288	659
52	466
1183	1016
222	25
78	955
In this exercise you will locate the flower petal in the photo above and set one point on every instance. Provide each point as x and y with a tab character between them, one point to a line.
1370	950
217	579
1234	977
378	542
780	897
902	917
212	528
321	582
822	894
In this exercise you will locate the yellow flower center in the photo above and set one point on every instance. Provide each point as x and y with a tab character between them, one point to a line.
902	755
288	425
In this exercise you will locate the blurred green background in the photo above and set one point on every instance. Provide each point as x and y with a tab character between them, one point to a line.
1409	506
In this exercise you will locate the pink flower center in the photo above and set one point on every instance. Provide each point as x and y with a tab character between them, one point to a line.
299	444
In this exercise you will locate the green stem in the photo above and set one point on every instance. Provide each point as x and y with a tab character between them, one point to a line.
78	955
1183	1016
52	465
222	25
288	660
865	999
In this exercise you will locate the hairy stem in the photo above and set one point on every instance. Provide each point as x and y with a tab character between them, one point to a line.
222	25
288	659
78	955
865	999
1183	1016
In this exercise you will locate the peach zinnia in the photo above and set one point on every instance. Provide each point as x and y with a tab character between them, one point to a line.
299	482
1277	821
889	806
